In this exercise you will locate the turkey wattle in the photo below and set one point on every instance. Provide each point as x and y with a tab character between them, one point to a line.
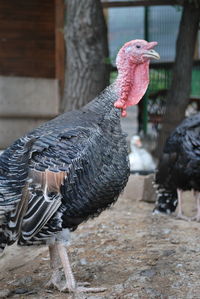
71	168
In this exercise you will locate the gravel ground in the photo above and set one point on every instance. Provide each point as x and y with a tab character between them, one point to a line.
127	250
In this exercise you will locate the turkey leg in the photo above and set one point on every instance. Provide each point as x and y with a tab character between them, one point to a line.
180	210
54	263
70	284
197	216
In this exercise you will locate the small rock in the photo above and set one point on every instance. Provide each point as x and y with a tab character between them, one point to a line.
5	293
118	288
179	265
153	293
21	291
148	273
45	258
169	252
166	231
23	281
95	297
83	261
127	296
49	291
149	194
182	248
174	242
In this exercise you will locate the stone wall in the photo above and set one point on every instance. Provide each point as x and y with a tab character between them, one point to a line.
25	103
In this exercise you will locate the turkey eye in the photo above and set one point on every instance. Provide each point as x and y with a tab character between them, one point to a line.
137	46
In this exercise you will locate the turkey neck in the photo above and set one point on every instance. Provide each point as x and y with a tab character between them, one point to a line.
128	89
103	105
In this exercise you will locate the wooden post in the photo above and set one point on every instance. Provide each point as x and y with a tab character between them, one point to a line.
59	43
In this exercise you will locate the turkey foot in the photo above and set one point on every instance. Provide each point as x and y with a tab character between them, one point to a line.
80	289
63	286
197	216
183	217
55	280
69	285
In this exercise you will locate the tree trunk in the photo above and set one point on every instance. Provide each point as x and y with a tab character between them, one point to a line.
179	92
87	72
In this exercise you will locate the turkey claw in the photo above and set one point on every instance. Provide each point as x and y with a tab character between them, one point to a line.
182	217
196	218
83	284
82	289
54	282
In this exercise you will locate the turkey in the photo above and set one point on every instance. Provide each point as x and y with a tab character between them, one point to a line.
179	167
71	168
140	159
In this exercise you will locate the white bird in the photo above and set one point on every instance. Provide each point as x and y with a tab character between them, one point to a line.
140	159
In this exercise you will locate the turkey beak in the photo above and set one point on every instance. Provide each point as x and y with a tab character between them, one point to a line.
150	52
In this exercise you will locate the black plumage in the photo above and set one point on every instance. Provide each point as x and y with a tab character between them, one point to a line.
71	168
179	166
67	170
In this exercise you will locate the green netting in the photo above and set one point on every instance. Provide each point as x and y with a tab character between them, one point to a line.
195	92
160	79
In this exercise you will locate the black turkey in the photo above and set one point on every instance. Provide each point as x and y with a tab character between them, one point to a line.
179	167
72	167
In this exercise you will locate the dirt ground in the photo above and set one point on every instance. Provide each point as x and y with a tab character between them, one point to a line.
127	250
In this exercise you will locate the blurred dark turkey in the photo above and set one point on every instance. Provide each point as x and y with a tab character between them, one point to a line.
179	167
